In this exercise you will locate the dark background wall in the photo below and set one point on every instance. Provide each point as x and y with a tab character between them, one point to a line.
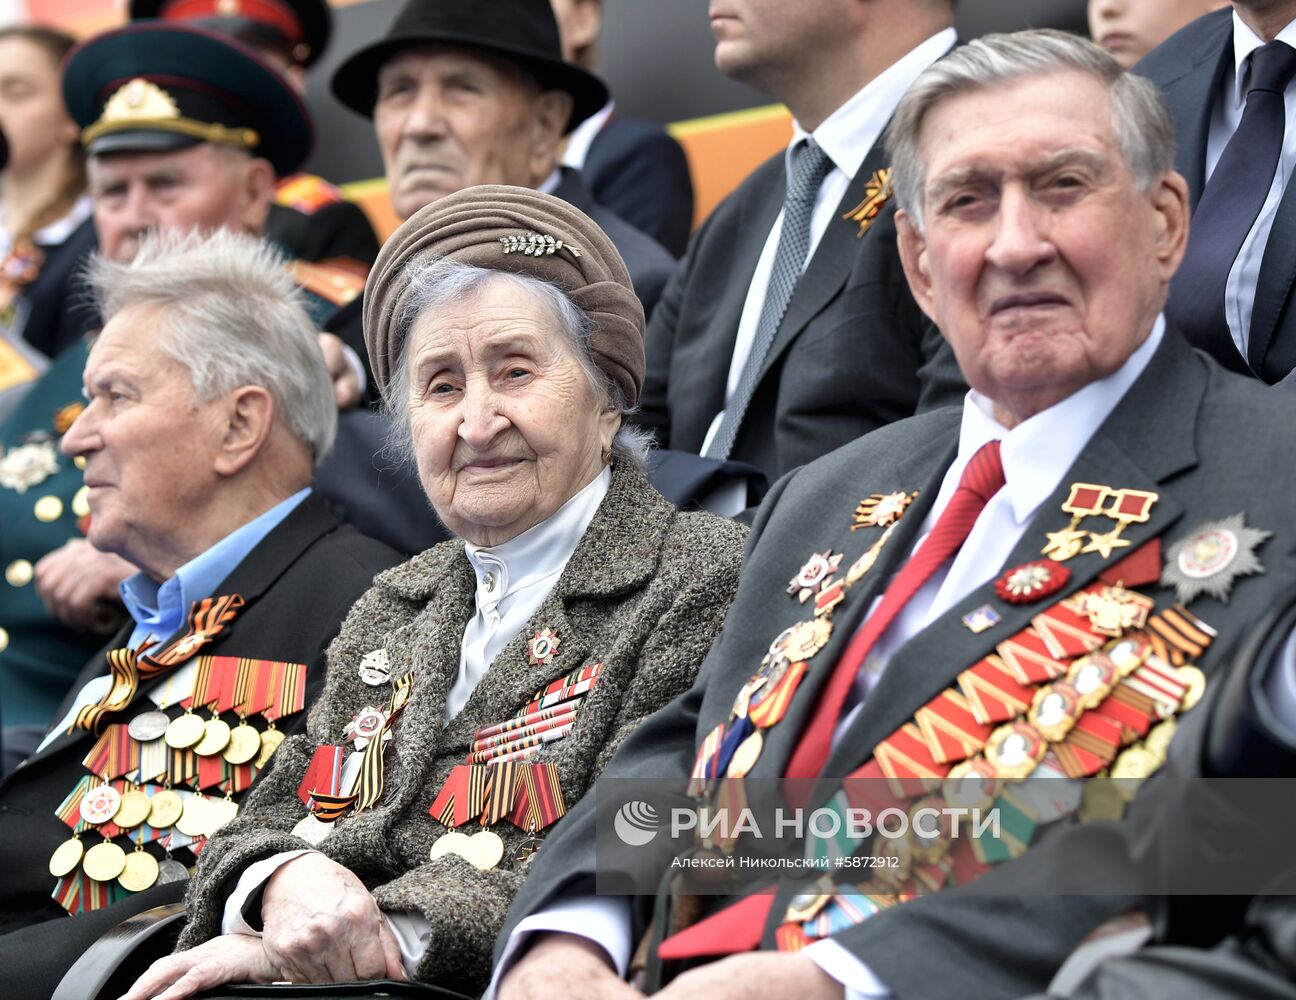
655	54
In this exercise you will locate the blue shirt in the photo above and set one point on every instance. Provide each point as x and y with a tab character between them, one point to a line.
160	610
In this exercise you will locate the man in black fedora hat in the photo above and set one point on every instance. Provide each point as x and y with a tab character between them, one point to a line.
464	93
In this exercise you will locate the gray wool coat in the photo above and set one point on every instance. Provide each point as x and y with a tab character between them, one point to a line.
645	593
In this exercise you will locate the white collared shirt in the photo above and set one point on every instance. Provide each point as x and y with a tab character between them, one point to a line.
1036	455
582	136
57	232
847	136
513	580
1244	277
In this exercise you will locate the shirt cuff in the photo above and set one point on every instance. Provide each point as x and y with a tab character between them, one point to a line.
859	981
604	920
1279	687
412	932
253	878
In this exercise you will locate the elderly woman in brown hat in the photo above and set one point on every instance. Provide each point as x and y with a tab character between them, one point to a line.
476	691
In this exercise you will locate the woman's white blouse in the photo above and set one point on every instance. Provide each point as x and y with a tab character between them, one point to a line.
513	580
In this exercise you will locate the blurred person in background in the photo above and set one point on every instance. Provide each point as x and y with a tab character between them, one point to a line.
1130	29
632	166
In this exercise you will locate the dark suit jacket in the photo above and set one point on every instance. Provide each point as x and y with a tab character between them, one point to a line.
340	229
639	172
647	260
60	308
1006	934
298	583
854	351
1190	68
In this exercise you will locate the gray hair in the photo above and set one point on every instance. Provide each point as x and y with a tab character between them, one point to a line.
435	283
1140	117
232	315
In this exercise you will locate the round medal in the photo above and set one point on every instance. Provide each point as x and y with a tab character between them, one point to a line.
48	509
1093	677
193	820
185	732
1014	750
99	805
216	737
971	784
19	573
66	857
270	741
484	850
1196	687
453	842
165	807
527	850
1055	710
171	871
807	904
148	726
217	813
139	872
81	502
244	744
104	862
1131	769
804	639
1158	740
134	809
310	829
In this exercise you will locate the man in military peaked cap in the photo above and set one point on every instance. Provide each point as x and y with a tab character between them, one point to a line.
464	93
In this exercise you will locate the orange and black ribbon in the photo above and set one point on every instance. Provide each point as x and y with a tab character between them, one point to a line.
208	618
371	766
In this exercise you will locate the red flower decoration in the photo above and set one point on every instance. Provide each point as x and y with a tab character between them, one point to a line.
1032	581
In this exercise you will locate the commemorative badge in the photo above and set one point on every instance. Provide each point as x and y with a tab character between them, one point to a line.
802	641
1014	750
1211	558
877	192
810	577
881	510
366	724
1113	611
543	648
1031	582
28	465
981	619
375	667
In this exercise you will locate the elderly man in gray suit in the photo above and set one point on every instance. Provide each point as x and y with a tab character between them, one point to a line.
1025	590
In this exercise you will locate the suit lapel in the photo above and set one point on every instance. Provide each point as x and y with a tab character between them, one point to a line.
1192	97
826	274
1141	445
250	579
1277	273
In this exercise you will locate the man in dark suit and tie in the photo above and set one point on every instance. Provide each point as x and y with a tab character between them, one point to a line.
787	330
1230	80
944	595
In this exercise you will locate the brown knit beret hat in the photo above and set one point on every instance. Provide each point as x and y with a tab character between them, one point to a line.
520	230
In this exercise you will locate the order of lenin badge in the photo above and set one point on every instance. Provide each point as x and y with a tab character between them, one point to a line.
543	648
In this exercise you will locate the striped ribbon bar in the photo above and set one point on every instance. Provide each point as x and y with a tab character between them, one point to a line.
542	721
114	753
539	802
501	790
462	797
698	780
323	774
766	711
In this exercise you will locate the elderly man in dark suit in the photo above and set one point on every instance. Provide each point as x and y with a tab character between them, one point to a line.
787	330
208	406
960	581
463	93
1230	80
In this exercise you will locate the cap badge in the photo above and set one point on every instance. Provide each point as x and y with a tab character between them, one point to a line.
537	245
139	99
1212	557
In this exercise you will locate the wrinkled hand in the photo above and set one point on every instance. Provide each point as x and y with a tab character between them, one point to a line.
230	958
346	387
762	975
323	926
78	584
563	966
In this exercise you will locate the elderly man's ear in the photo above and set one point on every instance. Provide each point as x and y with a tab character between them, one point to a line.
257	192
249	416
1169	196
552	109
913	258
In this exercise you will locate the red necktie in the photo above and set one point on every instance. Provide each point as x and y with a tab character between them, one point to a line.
982	478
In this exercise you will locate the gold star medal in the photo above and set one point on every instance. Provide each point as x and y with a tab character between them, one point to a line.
1128	507
1212	557
810	577
1085	500
543	648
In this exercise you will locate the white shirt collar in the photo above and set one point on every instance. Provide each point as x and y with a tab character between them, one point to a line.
551	182
56	232
851	131
582	136
539	552
1246	41
1037	452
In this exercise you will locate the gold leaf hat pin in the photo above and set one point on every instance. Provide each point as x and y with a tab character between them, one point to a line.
877	192
537	245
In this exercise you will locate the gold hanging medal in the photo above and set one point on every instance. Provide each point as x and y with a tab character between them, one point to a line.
135	808
244	744
745	757
270	740
104	862
140	870
193	820
215	738
185	732
66	857
165	807
100	804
